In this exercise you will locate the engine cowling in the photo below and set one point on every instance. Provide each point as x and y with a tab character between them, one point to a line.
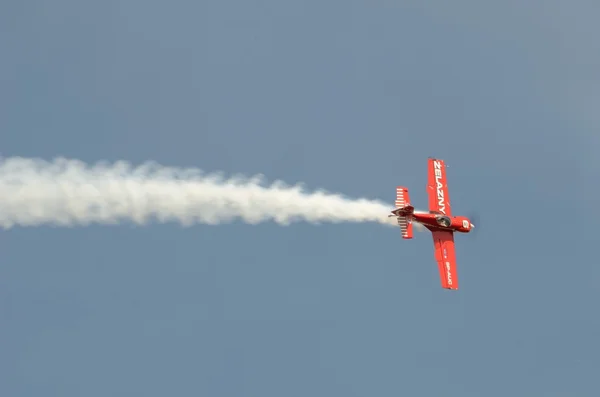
462	224
458	223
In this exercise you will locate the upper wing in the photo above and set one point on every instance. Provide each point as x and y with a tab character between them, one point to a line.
437	187
445	255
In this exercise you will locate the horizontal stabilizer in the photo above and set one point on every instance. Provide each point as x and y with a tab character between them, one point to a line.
403	201
402	197
406	227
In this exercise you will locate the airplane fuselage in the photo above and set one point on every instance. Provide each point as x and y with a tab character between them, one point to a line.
436	221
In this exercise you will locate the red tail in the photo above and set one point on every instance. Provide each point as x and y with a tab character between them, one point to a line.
405	209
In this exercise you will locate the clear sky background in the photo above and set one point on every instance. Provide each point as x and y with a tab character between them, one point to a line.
350	96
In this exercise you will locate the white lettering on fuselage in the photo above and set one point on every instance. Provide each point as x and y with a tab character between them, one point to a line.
440	193
448	273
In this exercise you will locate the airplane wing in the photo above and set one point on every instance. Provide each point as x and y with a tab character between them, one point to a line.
445	255
437	187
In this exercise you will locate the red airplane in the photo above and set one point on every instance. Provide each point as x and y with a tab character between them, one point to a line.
438	220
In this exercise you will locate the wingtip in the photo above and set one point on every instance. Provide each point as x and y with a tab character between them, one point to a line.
435	158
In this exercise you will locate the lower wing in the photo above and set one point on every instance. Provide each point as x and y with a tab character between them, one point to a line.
445	255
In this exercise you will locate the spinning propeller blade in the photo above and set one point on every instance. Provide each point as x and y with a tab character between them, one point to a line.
474	218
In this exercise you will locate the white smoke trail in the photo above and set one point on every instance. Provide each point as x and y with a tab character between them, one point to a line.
67	192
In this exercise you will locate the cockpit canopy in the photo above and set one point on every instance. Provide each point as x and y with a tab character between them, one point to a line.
443	220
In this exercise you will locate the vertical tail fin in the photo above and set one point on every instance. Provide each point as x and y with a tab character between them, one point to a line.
402	201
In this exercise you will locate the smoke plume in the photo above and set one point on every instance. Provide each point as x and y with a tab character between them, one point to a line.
67	192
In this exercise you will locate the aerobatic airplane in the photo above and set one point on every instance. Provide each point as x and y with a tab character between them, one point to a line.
439	220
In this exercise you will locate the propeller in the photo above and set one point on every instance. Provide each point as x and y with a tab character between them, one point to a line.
474	218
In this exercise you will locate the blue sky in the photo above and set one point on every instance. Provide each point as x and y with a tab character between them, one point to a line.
344	95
